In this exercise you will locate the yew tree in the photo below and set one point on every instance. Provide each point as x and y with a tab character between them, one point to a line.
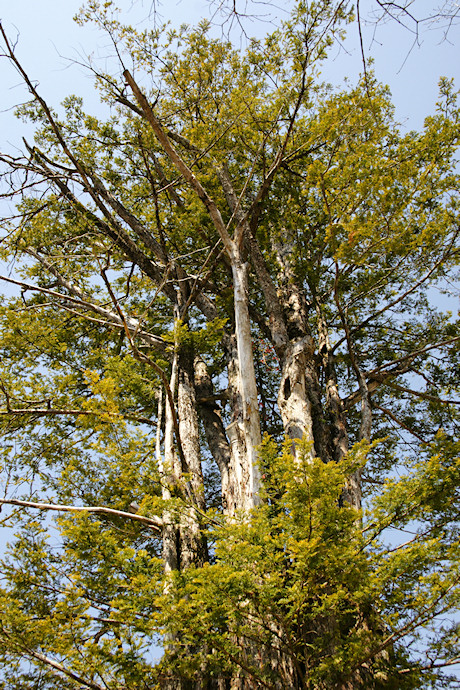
229	376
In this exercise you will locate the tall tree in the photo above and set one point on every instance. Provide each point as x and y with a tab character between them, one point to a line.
226	336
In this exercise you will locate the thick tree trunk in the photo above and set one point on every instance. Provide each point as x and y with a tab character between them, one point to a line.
192	542
183	542
235	497
249	420
335	414
299	397
169	469
293	399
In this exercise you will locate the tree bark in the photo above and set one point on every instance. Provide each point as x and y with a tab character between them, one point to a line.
192	541
249	420
335	414
169	468
299	397
214	429
293	400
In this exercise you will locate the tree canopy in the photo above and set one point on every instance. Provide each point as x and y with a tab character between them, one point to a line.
229	373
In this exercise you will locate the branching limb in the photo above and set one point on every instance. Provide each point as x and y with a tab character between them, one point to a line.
421	394
381	375
56	667
272	301
56	412
132	324
181	166
154	522
413	287
399	422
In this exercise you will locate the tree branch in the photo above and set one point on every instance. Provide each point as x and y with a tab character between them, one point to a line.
398	421
180	164
132	324
155	523
54	665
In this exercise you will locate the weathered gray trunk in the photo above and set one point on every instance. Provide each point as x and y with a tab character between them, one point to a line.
293	398
168	468
238	470
299	396
183	542
192	541
248	421
235	448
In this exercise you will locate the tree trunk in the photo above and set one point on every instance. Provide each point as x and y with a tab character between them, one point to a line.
238	479
299	397
293	399
169	475
214	429
248	420
192	541
183	542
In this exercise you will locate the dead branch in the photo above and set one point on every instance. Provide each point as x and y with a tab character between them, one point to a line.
154	522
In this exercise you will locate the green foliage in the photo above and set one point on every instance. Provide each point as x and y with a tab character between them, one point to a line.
305	577
122	276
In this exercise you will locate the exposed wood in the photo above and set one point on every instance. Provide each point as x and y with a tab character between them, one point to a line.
154	522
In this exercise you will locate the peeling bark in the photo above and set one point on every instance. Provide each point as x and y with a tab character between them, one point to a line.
168	467
249	423
188	423
193	544
299	396
272	301
293	401
294	307
236	473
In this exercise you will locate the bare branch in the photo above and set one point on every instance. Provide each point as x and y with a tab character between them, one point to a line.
154	522
413	287
131	323
399	421
56	412
51	663
180	164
